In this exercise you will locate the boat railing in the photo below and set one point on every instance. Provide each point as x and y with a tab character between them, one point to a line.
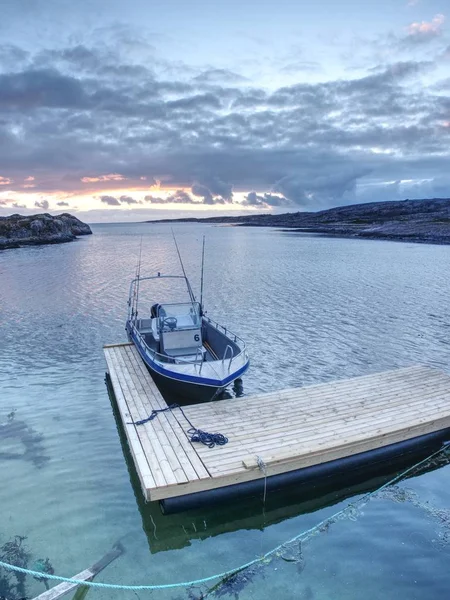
227	332
225	356
237	340
198	361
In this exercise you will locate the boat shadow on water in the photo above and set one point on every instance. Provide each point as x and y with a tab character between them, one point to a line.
176	531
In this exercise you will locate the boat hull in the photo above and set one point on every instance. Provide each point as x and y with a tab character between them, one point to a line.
182	392
183	389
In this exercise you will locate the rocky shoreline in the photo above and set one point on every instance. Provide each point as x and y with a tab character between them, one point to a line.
425	221
34	230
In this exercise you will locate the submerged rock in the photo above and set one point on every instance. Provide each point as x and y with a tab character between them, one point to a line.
18	230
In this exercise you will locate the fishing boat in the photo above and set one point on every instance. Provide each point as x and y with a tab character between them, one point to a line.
190	356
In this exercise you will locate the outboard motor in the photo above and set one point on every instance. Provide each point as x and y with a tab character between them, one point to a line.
154	310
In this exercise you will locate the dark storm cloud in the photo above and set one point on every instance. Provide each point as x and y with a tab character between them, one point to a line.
77	114
62	204
110	200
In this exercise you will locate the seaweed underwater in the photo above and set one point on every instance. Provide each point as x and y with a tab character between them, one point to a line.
31	441
12	583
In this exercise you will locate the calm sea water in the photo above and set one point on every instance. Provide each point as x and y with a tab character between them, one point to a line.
312	309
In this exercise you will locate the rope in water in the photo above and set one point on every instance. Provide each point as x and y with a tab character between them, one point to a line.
196	435
185	584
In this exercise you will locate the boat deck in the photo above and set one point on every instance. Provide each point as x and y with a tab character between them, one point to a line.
287	430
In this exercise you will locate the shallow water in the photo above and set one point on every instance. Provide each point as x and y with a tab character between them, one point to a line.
311	308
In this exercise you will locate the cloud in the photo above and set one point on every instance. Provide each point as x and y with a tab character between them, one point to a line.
41	87
302	65
266	200
219	76
129	200
179	197
211	138
62	204
155	199
110	200
102	178
9	202
426	30
215	192
202	192
42	204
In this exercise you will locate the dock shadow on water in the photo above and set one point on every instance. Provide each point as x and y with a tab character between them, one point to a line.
179	530
19	441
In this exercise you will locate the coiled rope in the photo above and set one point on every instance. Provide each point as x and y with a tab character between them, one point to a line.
350	508
196	435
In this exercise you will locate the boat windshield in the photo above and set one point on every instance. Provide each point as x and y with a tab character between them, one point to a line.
180	316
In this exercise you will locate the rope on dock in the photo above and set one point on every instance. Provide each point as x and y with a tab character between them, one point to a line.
304	535
196	435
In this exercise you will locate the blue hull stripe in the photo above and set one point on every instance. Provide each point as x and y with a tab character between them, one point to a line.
181	376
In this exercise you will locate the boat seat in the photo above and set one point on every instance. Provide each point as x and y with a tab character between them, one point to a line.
154	329
144	326
190	354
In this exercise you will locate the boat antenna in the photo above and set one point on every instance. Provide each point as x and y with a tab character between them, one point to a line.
201	279
191	293
138	275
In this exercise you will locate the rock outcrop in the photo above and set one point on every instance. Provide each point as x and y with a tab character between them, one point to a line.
18	230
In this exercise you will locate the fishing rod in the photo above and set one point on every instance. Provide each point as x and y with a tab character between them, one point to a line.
201	280
191	293
138	275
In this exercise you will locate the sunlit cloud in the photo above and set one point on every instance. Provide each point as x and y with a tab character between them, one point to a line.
5	181
110	177
426	29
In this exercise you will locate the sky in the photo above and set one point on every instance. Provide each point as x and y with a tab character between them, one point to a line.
125	111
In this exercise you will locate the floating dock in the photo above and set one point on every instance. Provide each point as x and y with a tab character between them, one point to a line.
284	431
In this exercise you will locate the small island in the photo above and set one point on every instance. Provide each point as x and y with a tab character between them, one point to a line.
34	230
426	221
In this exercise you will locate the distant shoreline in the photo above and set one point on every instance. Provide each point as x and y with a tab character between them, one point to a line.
418	221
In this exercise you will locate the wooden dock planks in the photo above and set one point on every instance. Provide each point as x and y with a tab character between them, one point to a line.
162	453
288	429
